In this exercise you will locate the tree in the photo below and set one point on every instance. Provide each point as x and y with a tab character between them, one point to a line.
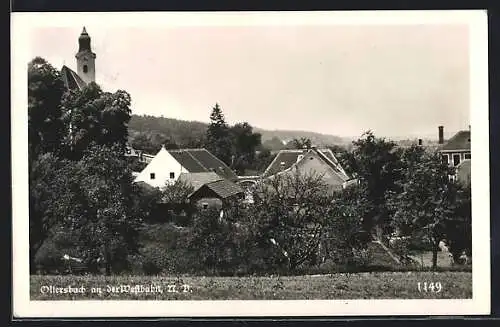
213	239
293	209
245	143
177	192
301	143
103	224
152	142
218	139
426	199
45	90
263	160
344	236
49	200
94	116
375	162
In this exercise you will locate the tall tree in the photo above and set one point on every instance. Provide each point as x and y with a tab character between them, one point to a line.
375	162
104	224
45	90
218	138
48	195
92	115
245	143
293	210
426	199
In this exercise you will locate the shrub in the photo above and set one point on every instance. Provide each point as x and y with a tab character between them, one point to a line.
48	258
154	259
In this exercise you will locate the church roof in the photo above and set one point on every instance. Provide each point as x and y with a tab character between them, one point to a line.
71	79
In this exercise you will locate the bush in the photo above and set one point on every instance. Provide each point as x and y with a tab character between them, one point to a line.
154	259
48	259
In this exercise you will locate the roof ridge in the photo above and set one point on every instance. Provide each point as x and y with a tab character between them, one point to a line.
332	165
187	149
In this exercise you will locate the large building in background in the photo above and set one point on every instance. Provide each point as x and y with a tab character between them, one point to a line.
457	153
85	65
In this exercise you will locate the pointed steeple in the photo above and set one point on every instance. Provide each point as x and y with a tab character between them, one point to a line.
84	41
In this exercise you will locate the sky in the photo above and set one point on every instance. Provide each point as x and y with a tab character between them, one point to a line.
396	80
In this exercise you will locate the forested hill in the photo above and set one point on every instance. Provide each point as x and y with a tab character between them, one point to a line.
186	132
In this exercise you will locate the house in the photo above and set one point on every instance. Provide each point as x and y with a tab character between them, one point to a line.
456	152
168	165
85	65
310	161
216	194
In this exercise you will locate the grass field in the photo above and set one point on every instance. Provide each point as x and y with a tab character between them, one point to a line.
377	285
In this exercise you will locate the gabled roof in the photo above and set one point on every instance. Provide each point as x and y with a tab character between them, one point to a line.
285	159
460	141
71	79
197	180
201	160
223	189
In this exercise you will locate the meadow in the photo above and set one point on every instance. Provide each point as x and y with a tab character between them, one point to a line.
369	285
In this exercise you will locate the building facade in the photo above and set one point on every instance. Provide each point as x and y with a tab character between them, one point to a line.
168	165
313	161
456	152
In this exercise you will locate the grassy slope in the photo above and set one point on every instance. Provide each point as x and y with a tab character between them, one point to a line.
384	285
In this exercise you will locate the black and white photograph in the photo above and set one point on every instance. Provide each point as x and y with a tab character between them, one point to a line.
250	163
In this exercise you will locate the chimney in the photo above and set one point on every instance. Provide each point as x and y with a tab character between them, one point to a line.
441	134
420	142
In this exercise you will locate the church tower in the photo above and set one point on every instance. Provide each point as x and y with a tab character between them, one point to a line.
85	58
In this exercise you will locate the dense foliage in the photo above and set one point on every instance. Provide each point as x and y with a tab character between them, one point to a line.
81	195
83	202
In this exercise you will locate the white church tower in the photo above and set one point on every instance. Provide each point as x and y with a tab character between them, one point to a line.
85	58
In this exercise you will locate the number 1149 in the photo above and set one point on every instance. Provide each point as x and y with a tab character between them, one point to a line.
429	287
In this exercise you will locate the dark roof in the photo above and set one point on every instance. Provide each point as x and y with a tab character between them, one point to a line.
201	160
283	160
223	189
71	79
188	161
460	141
286	158
197	180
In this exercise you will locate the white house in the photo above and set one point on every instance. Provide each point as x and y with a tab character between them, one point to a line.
168	165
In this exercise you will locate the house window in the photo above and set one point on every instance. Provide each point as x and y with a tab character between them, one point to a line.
172	175
85	68
467	156
456	159
445	158
152	175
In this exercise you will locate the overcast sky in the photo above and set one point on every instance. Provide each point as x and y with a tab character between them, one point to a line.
341	80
